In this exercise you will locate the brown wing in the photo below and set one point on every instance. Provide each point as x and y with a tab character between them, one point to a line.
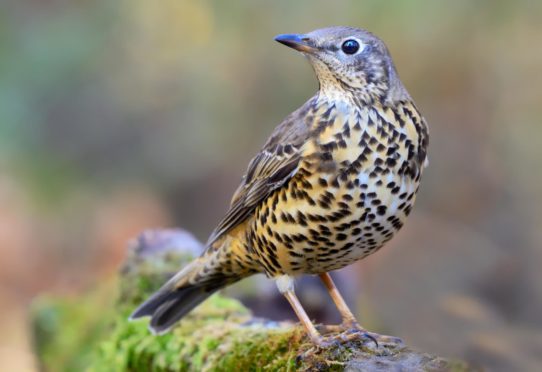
271	168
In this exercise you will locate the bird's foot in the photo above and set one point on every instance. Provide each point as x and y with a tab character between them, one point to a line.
379	339
338	340
362	335
387	340
354	329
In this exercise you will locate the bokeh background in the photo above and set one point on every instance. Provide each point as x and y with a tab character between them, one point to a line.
117	116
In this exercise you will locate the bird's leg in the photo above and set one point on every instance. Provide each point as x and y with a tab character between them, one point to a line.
348	319
349	322
285	285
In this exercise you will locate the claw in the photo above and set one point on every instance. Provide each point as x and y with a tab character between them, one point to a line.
344	337
359	333
374	337
370	337
348	332
392	340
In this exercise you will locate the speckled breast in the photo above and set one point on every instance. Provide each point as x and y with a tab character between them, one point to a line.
353	189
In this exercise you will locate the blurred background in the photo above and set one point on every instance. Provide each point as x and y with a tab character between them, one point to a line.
117	116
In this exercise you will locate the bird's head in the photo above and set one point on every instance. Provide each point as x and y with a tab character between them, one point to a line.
347	59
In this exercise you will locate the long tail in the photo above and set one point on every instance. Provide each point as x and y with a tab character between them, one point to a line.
215	269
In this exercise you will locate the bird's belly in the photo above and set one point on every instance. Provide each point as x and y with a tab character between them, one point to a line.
327	227
352	191
376	212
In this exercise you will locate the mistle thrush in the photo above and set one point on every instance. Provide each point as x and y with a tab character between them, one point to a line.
334	182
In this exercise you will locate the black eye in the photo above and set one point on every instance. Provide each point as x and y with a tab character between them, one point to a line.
350	46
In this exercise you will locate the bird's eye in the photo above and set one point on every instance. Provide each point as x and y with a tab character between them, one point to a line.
350	46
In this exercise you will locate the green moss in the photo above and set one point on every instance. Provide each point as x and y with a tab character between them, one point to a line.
216	336
267	350
92	332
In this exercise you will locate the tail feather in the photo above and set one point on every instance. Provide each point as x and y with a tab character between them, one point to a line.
167	310
177	298
215	269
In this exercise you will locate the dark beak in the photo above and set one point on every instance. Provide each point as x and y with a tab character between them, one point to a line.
302	43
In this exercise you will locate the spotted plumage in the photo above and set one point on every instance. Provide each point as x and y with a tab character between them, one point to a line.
353	187
334	182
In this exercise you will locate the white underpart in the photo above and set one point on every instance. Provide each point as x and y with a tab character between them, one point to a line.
363	178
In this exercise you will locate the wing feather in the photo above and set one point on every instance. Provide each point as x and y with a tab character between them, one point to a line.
269	170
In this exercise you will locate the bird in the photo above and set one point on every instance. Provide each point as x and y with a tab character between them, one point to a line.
332	184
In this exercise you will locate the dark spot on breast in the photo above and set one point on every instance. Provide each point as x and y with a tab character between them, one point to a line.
391	162
341	237
294	253
381	210
326	156
347	197
391	150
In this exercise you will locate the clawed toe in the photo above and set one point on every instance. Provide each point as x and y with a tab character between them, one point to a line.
360	335
377	338
344	333
387	340
345	337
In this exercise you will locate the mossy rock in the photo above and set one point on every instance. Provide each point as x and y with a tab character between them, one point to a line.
92	333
